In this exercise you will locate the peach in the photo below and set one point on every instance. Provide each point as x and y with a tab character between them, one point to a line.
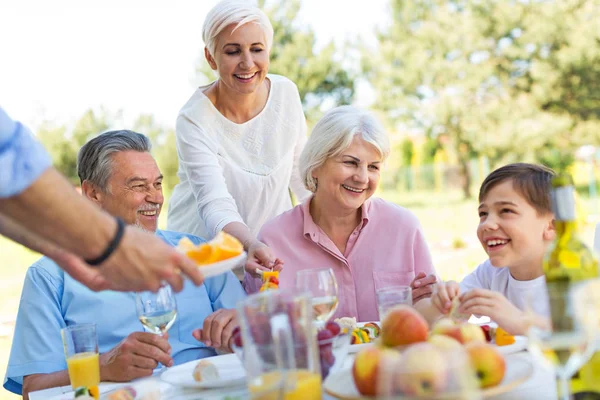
403	325
367	363
423	370
444	342
488	363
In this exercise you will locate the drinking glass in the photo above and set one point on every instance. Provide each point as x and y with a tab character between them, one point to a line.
390	297
279	346
568	347
322	286
81	352
157	311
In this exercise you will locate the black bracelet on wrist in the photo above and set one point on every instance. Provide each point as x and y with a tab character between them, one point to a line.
112	245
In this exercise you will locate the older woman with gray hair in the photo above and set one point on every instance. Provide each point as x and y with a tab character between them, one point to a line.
368	242
238	138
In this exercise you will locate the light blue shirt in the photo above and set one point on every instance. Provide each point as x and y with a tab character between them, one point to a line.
51	300
22	157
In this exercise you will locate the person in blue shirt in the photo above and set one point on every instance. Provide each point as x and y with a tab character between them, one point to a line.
119	174
41	210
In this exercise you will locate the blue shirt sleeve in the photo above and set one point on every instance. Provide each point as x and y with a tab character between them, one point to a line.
37	345
22	157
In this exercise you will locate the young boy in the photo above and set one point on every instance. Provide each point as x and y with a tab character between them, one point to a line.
515	228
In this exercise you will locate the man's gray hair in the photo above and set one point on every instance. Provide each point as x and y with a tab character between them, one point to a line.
333	134
94	161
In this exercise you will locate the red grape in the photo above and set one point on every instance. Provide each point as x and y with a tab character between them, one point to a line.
333	327
324	335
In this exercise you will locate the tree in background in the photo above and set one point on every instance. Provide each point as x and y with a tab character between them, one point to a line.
64	144
320	77
499	78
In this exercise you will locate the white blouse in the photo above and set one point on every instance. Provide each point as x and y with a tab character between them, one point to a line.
237	172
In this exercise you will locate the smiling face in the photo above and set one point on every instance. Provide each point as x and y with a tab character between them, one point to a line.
346	181
511	230
241	57
134	190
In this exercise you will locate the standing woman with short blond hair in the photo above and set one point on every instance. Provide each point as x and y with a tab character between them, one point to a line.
238	138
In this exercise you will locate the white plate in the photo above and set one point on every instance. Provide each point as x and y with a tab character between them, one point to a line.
518	369
221	267
231	372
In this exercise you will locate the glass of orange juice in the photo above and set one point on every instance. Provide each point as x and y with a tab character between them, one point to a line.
81	351
279	346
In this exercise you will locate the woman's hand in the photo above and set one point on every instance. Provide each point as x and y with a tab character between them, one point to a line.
497	307
261	257
422	286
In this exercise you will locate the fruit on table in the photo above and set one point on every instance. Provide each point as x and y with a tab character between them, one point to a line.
366	367
222	247
488	363
325	339
423	370
373	328
360	335
464	332
126	393
503	338
403	325
444	342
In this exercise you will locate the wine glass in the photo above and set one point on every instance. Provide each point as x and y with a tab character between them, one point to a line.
157	311
322	285
569	343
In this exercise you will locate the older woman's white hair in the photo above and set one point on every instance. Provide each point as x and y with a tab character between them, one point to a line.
334	133
236	12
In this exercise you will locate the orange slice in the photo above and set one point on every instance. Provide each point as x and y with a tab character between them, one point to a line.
201	254
503	338
222	247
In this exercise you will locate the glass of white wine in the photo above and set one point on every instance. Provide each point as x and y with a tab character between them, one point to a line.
157	311
323	287
568	347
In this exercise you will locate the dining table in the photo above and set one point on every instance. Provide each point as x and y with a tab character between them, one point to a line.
539	385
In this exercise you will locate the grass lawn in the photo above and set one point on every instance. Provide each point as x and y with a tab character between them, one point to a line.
448	221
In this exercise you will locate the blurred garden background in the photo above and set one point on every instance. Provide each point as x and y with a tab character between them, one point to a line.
462	86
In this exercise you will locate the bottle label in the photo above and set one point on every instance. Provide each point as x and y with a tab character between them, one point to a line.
563	203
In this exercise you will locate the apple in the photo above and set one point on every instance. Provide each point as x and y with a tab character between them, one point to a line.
423	370
488	363
443	342
471	333
403	325
367	363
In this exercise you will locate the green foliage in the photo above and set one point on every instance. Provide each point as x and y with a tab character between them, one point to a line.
408	151
319	75
63	144
496	78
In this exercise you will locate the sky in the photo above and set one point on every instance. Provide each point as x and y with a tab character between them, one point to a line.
61	57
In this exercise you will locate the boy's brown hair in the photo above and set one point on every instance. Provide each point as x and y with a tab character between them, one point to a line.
532	181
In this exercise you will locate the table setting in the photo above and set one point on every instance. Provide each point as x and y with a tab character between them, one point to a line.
289	348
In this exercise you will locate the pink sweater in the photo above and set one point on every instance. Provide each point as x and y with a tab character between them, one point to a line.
386	249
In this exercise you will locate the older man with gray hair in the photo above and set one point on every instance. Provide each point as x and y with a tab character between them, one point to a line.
119	174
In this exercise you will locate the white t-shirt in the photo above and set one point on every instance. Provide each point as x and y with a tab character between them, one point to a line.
237	172
523	294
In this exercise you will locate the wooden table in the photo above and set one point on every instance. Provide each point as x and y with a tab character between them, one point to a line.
541	386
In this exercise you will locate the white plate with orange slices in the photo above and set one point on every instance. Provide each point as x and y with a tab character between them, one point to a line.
221	254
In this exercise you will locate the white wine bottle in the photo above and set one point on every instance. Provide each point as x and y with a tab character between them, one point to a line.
567	262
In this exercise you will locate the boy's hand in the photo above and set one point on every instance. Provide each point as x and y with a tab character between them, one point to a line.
496	306
443	294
